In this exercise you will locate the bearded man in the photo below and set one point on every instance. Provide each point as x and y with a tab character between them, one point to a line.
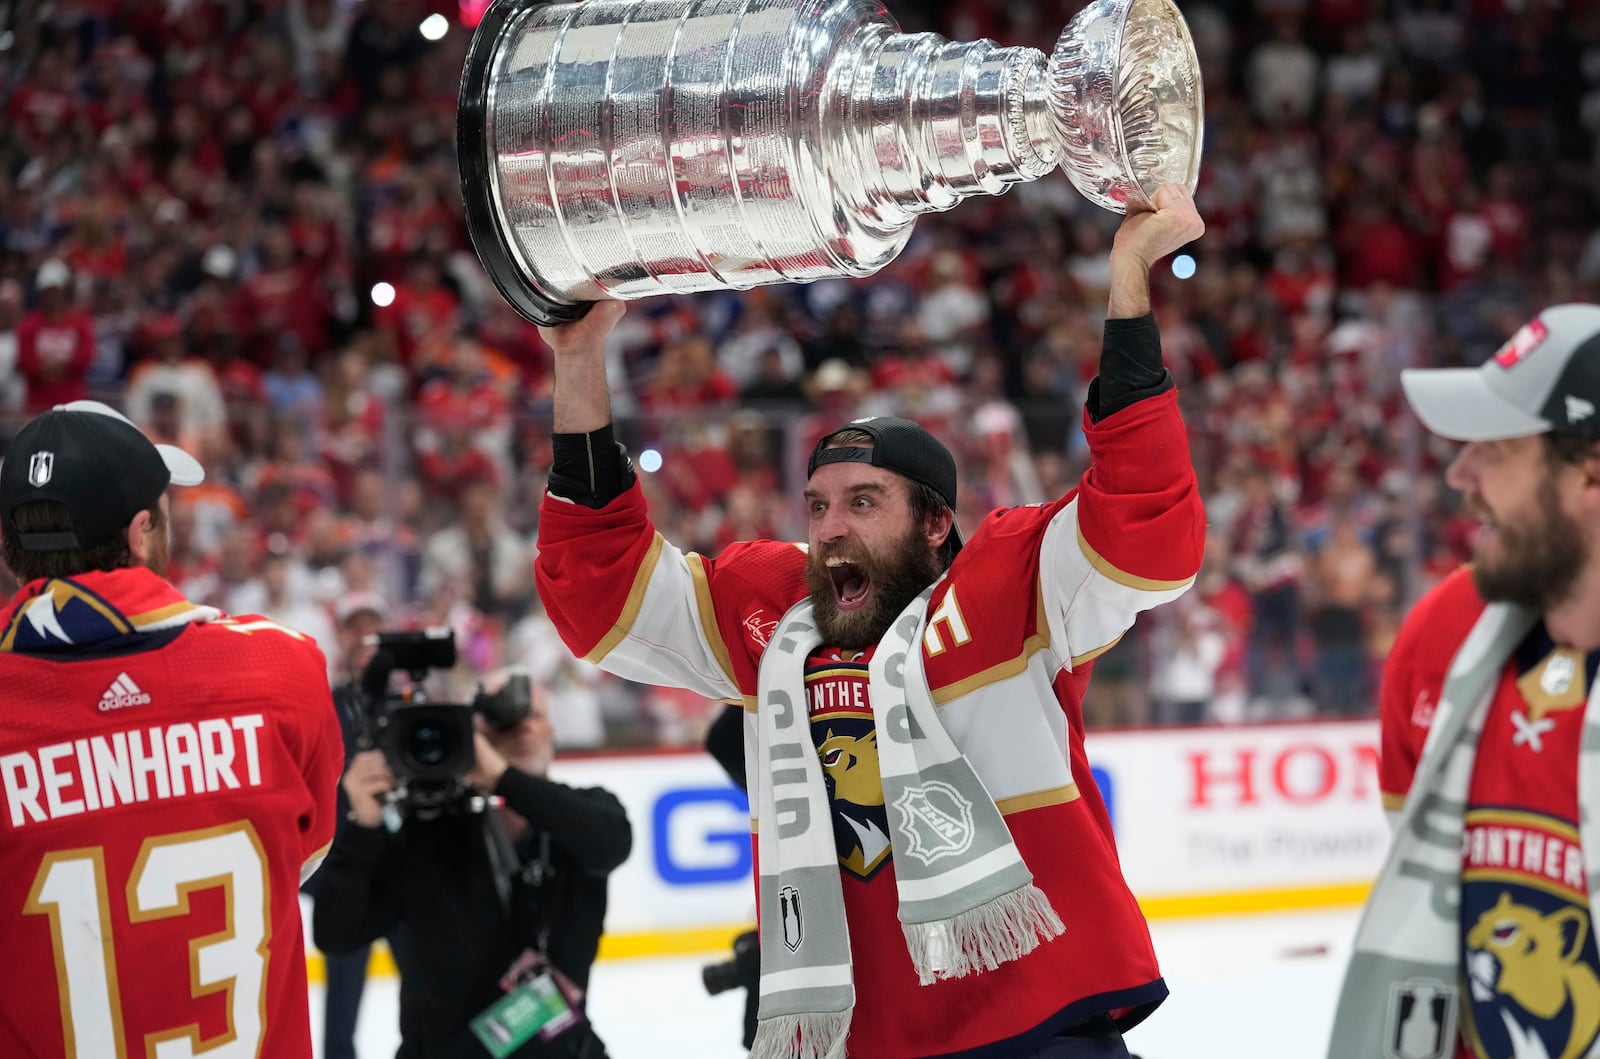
936	871
1478	939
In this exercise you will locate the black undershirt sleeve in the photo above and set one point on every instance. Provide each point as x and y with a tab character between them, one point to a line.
591	469
1130	367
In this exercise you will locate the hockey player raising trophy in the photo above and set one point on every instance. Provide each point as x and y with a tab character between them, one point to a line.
936	871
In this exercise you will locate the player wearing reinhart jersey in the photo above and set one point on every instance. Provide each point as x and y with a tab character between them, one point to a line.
167	774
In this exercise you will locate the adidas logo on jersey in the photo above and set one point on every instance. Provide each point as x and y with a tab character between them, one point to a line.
123	693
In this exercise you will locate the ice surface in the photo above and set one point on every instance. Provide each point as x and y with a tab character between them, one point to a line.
1247	987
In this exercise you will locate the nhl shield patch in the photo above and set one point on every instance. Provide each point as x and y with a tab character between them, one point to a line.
936	819
1422	1020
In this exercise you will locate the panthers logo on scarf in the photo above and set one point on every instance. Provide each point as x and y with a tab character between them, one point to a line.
841	727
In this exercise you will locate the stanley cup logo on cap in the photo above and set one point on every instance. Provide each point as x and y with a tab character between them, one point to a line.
41	465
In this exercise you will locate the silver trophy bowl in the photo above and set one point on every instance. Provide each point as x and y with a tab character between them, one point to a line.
628	148
1129	105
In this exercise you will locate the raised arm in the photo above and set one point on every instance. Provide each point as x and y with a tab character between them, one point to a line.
582	402
619	594
1144	238
1132	535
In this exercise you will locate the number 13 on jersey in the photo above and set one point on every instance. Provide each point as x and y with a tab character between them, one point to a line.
72	889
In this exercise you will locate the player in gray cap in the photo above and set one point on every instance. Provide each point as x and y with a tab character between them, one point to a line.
1478	939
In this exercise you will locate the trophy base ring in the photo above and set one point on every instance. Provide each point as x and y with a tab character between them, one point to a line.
472	153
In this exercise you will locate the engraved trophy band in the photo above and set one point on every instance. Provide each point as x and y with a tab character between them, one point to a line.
628	148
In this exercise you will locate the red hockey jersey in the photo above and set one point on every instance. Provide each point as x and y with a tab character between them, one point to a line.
1530	972
1034	596
166	775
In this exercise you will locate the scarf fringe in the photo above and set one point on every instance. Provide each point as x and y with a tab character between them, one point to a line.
814	1036
982	938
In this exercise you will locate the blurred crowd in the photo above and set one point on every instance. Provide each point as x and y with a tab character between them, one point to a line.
240	220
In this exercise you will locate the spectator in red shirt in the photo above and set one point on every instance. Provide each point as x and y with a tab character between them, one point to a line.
687	378
1507	215
281	297
1375	246
1301	277
55	342
42	109
95	248
215	311
423	313
505	334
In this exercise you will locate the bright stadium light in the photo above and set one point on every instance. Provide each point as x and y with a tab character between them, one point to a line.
1183	266
435	26
650	461
383	295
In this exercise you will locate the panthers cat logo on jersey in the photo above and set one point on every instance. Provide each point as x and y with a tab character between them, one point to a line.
1531	973
860	822
847	744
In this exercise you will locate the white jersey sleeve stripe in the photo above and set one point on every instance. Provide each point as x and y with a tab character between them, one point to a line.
708	617
667	631
1089	602
630	609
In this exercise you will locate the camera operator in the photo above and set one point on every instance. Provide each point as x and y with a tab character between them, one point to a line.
360	616
506	900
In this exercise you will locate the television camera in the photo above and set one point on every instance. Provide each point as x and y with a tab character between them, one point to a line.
430	745
742	969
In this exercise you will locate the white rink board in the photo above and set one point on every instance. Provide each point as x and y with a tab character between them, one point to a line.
1203	810
1197	811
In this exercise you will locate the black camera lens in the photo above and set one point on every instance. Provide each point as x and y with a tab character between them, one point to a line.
721	977
743	970
429	744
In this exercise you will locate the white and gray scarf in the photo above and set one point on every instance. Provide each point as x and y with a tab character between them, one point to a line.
967	900
1401	996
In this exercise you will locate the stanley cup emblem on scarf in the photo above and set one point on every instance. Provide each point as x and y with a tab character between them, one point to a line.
628	148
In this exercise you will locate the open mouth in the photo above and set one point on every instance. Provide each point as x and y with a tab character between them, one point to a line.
850	583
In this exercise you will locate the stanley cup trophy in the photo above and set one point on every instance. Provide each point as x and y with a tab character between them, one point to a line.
628	148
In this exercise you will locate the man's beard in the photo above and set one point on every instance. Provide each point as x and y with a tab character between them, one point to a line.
1539	556
160	552
896	579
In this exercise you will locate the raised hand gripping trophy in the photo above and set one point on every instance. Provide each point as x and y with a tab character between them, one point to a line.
628	148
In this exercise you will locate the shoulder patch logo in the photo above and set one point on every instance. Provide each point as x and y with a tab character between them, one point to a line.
758	630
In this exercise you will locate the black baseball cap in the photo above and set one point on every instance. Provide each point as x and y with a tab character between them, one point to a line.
1545	378
92	460
898	445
